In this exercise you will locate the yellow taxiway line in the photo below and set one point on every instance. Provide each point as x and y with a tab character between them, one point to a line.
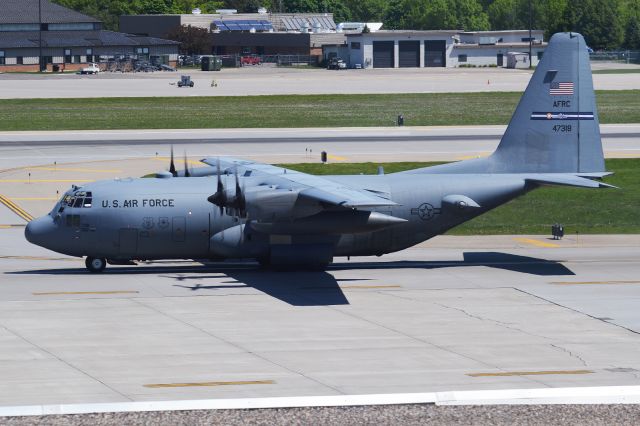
536	243
80	170
45	180
336	158
370	286
65	293
592	282
34	198
529	373
205	384
15	208
11	226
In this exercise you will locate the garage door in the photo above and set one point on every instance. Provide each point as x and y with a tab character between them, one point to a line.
409	54
383	54
435	53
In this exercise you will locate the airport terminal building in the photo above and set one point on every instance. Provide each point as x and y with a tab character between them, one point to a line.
66	39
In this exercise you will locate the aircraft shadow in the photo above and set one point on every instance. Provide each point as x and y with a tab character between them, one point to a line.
301	288
498	260
295	288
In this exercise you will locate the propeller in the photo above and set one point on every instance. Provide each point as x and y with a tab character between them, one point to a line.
187	173
172	166
237	203
220	197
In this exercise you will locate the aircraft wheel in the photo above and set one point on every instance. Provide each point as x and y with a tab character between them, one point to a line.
95	264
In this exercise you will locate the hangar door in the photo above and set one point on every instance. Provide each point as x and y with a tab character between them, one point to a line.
383	54
409	54
435	52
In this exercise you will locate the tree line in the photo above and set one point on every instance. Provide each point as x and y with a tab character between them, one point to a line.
606	24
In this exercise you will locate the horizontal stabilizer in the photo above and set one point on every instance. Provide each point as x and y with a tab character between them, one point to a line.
566	180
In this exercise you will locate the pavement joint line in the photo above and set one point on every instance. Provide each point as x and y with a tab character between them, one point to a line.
529	373
16	208
210	384
536	243
60	359
593	282
238	346
65	293
574	395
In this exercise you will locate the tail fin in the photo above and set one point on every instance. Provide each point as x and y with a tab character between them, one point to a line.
555	128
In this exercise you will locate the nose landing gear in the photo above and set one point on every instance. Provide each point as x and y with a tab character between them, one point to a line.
95	264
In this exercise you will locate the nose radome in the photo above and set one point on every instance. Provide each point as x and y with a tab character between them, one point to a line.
37	229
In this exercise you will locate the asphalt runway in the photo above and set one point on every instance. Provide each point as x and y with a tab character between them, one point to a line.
265	80
455	313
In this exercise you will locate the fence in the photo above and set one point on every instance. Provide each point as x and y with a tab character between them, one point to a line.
622	56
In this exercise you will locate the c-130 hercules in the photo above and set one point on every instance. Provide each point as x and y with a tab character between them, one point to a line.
287	219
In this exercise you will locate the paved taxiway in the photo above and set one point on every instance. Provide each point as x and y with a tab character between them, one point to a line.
283	81
454	313
360	144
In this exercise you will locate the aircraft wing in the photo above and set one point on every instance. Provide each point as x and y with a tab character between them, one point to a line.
309	186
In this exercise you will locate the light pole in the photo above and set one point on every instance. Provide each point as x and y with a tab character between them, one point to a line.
40	35
530	40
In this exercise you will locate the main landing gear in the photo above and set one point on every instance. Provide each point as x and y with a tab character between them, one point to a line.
95	264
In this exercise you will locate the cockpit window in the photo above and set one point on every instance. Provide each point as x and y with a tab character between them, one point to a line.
78	202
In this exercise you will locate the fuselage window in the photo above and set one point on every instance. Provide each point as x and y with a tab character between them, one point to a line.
87	203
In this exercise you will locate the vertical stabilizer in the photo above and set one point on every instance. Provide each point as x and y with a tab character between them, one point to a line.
555	127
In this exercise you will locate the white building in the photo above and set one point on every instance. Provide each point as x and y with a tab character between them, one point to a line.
443	48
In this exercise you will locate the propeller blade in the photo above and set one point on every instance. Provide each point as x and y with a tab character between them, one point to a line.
186	166
172	166
220	197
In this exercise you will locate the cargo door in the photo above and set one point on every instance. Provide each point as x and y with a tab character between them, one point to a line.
179	229
128	242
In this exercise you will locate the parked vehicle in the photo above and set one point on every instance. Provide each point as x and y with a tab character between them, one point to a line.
93	68
336	64
185	81
250	60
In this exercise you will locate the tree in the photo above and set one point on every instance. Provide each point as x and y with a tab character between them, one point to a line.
193	40
367	10
632	26
599	21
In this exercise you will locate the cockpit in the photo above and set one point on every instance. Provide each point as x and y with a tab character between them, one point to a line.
69	206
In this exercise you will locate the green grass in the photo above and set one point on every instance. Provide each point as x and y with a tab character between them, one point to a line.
588	211
426	109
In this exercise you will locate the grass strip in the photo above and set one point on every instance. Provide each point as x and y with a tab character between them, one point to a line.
424	109
587	211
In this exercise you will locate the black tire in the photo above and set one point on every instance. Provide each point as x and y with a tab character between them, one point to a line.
191	85
95	264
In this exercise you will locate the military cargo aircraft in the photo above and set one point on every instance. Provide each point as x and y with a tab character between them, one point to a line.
233	208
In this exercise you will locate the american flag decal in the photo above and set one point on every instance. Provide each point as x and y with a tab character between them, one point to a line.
561	89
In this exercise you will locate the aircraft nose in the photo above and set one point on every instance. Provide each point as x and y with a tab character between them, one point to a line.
37	229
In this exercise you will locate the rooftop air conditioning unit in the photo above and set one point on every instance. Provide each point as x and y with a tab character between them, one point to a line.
262	10
196	11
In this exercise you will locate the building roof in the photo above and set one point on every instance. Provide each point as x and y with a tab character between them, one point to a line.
26	12
29	39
